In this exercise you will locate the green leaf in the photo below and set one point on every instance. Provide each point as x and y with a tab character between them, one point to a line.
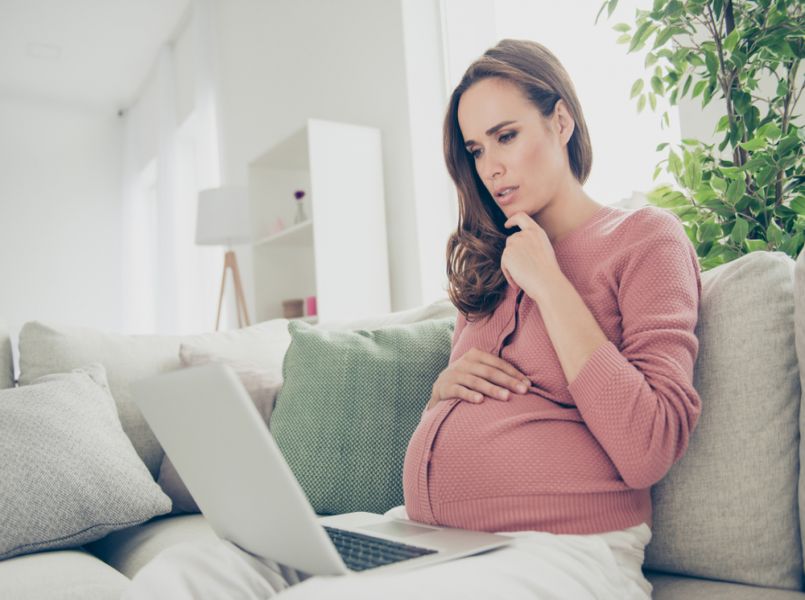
600	10
798	205
699	87
641	104
723	123
637	87
732	40
740	231
656	85
640	35
621	27
710	230
774	235
663	37
769	131
755	245
674	163
718	184
651	58
735	191
652	100
754	144
711	62
660	147
623	38
686	86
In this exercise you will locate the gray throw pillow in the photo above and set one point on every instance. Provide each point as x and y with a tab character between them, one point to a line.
69	474
348	406
799	335
728	509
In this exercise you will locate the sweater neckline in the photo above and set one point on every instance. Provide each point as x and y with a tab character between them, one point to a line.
575	233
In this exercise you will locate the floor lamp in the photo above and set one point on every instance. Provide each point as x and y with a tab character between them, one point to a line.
223	220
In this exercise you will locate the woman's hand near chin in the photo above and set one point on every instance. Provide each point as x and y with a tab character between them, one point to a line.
478	375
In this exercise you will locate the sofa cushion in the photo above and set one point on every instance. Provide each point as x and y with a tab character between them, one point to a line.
129	550
728	509
62	575
674	587
439	309
348	406
69	474
799	336
6	359
46	349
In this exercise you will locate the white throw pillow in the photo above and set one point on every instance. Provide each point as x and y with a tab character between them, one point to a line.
46	349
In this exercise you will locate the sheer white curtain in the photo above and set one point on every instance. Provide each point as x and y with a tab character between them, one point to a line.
169	155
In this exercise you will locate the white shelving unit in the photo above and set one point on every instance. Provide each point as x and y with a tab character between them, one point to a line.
339	254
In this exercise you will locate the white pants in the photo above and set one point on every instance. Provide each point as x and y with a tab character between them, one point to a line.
537	565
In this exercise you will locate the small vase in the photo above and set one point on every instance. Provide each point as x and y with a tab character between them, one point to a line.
301	215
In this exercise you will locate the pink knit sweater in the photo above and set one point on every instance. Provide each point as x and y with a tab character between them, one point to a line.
576	458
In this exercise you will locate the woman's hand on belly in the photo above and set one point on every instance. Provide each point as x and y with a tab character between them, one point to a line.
478	375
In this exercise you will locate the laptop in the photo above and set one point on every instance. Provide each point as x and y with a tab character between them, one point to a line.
227	458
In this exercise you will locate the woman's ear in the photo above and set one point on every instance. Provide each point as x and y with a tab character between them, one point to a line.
565	125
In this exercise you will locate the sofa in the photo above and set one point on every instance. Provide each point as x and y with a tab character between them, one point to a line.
728	517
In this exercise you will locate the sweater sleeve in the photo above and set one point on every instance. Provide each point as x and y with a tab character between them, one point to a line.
638	400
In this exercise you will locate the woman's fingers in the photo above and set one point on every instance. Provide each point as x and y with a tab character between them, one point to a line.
497	370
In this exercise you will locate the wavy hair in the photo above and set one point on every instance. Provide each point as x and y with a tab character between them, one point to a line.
476	284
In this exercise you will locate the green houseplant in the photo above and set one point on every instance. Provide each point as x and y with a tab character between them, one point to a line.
746	193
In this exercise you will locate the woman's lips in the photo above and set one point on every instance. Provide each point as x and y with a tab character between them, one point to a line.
506	195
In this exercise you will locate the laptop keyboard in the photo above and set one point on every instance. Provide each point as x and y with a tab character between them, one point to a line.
361	552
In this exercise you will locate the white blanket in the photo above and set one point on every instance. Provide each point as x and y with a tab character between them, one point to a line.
536	565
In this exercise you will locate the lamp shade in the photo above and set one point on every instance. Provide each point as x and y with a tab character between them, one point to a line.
223	217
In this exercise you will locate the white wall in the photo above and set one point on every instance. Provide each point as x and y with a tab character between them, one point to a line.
59	214
284	61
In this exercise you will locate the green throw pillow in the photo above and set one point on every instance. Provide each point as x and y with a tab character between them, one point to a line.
350	402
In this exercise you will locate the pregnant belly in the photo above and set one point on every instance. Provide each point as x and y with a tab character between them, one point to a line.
526	446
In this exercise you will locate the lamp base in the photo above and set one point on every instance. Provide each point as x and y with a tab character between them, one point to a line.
231	263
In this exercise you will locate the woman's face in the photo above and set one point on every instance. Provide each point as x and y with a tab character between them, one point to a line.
519	155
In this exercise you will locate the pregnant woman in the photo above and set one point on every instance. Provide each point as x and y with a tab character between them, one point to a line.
568	393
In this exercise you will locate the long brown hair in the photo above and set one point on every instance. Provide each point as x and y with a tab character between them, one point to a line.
476	284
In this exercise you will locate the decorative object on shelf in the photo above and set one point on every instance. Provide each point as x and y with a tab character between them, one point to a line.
292	309
301	215
279	225
224	219
310	306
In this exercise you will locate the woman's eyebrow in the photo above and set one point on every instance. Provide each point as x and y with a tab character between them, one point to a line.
491	131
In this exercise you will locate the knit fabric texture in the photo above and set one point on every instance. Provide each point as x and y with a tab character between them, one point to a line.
578	458
349	404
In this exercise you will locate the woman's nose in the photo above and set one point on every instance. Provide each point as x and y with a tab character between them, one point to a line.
492	168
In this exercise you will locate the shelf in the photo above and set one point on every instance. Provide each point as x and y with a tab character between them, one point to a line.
300	234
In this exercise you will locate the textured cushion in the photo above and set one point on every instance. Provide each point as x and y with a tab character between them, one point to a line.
69	474
46	349
799	335
349	405
6	360
728	509
63	575
673	587
261	385
129	550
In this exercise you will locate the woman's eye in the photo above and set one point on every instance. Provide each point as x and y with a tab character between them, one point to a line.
475	153
506	137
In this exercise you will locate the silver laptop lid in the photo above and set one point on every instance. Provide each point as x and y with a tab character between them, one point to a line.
207	423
